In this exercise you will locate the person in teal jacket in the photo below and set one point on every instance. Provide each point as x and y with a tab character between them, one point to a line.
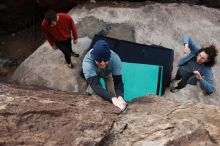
196	67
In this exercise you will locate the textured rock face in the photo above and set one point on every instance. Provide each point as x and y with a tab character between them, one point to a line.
46	67
153	121
30	116
44	117
89	26
210	3
40	117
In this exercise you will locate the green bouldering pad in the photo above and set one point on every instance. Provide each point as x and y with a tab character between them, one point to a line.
140	80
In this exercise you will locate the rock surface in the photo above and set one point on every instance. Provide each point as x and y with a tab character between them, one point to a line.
154	121
30	116
153	23
47	68
42	117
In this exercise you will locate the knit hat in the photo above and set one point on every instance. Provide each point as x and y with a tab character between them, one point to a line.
101	51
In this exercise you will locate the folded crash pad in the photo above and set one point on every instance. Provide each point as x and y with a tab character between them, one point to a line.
146	69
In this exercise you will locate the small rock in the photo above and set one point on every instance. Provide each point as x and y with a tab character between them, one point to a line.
92	1
2	7
2	43
13	34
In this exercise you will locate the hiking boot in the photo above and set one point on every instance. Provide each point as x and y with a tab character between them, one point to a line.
174	89
74	54
70	65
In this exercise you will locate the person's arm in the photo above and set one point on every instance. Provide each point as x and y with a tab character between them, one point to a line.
119	89
117	74
118	84
99	90
95	84
189	44
47	35
186	49
206	82
74	31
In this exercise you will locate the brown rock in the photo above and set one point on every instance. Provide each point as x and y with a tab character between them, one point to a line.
153	121
46	117
33	116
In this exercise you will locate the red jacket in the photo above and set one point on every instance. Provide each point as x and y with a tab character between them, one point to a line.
61	31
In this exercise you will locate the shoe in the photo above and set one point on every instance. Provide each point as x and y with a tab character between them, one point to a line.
70	65
74	54
174	89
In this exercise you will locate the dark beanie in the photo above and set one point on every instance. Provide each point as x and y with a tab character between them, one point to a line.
101	50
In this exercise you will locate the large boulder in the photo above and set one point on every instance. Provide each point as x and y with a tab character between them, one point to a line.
47	68
165	24
34	116
160	24
155	121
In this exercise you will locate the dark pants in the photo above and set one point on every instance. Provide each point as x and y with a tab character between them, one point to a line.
184	76
66	48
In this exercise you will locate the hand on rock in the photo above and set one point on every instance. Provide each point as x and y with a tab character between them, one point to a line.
118	103
122	100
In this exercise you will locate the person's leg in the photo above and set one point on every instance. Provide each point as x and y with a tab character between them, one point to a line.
177	76
183	82
62	45
69	44
184	76
109	83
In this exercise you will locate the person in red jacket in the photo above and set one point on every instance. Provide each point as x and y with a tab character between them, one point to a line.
57	28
